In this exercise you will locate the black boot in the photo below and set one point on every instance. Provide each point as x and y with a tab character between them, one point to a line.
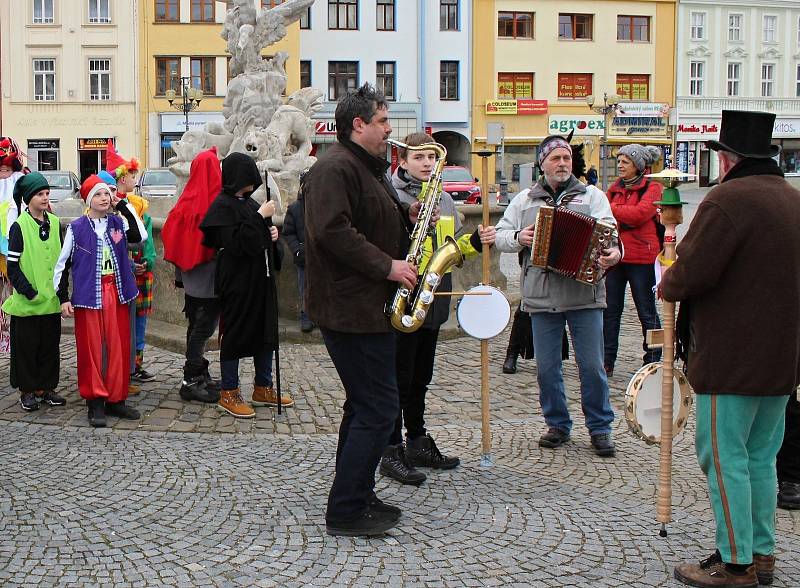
395	466
122	410
197	389
422	452
97	412
789	495
211	384
510	364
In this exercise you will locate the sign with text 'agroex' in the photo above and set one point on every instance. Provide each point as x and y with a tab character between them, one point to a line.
587	124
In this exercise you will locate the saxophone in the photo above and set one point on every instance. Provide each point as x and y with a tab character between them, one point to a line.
409	308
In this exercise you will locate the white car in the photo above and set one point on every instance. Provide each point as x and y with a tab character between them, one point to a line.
63	184
157	183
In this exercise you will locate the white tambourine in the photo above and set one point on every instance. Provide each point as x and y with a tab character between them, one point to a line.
483	312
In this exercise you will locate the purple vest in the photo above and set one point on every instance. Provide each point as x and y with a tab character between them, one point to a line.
87	255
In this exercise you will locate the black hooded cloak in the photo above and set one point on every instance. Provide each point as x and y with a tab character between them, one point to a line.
244	281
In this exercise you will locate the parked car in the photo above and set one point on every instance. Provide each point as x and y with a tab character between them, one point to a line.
460	184
63	184
157	183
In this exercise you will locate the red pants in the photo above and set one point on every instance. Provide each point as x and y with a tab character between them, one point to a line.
103	343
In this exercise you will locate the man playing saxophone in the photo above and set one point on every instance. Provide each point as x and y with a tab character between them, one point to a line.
416	349
356	241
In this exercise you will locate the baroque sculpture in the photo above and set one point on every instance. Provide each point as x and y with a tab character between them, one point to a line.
275	134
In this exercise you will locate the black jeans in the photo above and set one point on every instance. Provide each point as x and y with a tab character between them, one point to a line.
366	367
415	355
642	278
203	315
789	455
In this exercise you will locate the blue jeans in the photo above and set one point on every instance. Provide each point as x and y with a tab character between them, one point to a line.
141	327
301	275
262	362
586	328
642	278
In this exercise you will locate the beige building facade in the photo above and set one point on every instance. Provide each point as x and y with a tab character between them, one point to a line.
68	80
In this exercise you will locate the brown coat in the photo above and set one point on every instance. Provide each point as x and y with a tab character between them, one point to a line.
739	265
355	227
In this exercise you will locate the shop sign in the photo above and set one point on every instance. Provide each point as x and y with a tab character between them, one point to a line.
325	127
622	126
43	143
639	109
176	123
786	128
589	124
93	144
699	129
522	106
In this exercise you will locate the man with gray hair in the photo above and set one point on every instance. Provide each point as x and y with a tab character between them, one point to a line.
553	300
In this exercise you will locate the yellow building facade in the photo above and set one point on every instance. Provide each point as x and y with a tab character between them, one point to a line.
536	63
181	39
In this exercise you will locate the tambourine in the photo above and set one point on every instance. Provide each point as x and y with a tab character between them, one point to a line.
643	403
483	316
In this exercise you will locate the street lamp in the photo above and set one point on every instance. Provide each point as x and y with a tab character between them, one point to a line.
610	106
191	98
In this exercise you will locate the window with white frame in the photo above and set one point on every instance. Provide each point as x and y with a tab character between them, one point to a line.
99	11
735	27
697	70
44	79
734	78
43	12
770	28
99	79
698	26
767	79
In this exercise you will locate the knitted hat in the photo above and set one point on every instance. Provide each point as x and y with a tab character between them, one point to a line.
640	155
550	144
90	187
108	179
116	165
27	187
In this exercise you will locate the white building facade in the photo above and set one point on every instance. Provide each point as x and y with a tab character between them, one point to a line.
416	51
736	55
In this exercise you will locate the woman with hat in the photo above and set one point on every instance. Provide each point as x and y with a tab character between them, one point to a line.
632	199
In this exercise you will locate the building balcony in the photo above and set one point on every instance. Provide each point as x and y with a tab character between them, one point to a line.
700	105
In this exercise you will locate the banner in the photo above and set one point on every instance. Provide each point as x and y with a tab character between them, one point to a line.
523	106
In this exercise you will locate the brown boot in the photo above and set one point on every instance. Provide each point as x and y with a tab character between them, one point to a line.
133	389
712	573
231	401
765	568
266	396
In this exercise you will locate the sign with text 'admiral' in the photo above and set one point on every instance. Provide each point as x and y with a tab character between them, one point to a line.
325	127
588	124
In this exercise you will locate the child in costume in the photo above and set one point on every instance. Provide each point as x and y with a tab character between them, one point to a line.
144	260
241	231
34	307
96	249
416	351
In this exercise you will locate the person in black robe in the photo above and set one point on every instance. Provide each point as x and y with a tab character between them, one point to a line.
242	232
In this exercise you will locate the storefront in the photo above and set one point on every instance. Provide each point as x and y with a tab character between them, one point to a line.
44	154
92	155
325	135
173	126
643	123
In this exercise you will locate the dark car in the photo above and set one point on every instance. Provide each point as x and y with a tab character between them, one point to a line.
461	185
63	184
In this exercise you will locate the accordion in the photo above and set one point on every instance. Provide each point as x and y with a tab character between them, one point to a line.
569	243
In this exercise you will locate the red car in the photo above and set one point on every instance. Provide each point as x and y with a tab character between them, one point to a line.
461	185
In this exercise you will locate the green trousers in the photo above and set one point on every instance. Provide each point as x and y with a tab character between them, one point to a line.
737	439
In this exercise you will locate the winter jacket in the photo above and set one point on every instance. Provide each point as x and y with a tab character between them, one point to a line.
542	290
635	213
294	231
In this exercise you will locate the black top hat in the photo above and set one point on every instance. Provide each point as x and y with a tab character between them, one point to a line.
746	133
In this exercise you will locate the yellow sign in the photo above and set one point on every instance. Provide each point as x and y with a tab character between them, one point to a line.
501	107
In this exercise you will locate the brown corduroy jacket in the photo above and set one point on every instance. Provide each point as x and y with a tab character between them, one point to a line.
355	227
739	268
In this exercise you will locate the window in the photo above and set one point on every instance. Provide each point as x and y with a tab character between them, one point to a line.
574	85
448	15
99	11
305	74
734	78
515	25
385	78
305	19
168	10
512	85
43	12
44	79
734	27
633	28
342	77
202	11
384	15
168	75
202	69
575	26
698	30
448	80
696	75
633	86
99	79
343	14
767	79
770	29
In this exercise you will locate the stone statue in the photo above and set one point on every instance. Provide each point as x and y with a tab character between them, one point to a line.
275	134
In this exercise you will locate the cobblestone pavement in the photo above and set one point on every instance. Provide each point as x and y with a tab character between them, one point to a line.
188	497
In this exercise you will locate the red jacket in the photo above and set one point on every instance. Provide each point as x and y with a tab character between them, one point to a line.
635	212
